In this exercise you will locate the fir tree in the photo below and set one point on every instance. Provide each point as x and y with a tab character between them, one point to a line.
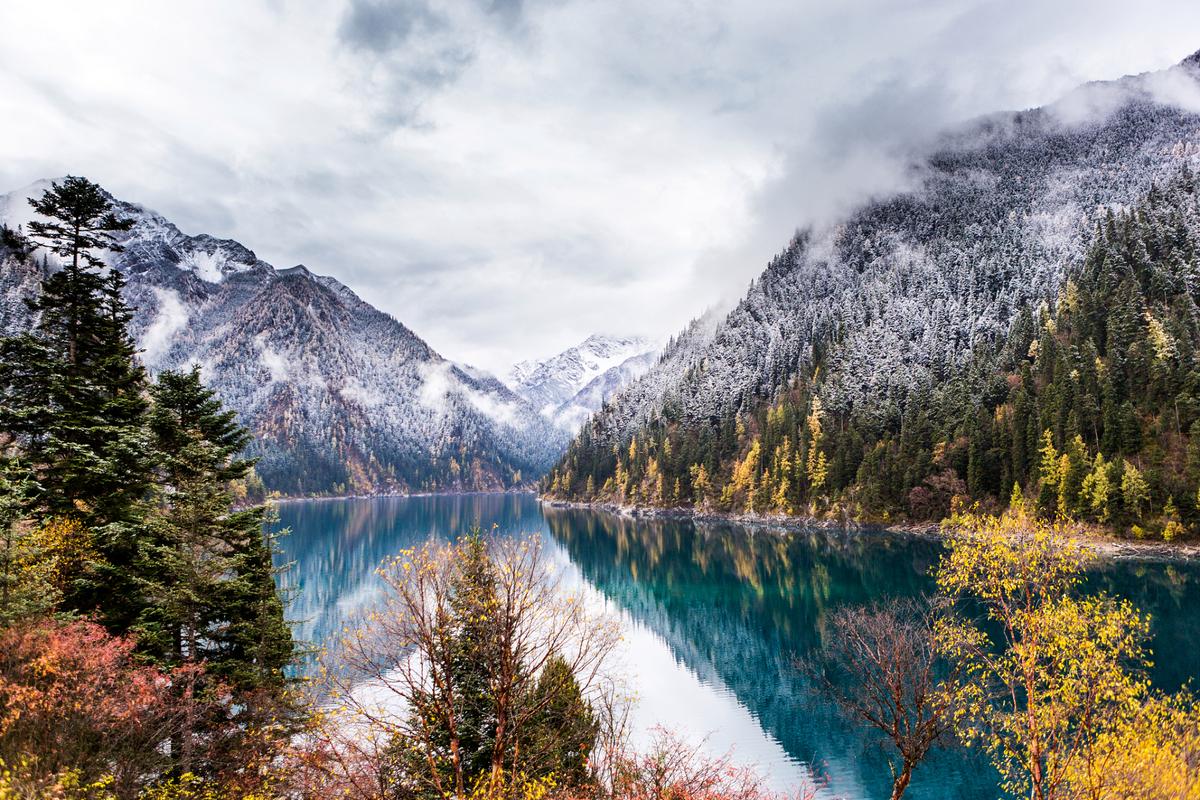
204	571
564	728
205	567
72	395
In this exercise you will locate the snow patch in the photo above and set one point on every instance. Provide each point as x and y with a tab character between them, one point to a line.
207	266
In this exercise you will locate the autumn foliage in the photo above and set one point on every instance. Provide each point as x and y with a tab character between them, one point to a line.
1055	682
74	699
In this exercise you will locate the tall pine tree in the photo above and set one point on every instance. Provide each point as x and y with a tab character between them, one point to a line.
205	567
72	395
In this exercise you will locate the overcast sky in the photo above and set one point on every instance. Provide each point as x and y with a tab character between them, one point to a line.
508	176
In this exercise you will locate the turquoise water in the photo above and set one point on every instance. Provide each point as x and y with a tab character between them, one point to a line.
715	617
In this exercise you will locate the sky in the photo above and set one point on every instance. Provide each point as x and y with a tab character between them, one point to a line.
507	177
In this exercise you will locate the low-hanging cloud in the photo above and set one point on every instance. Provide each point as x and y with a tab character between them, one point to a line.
440	388
170	318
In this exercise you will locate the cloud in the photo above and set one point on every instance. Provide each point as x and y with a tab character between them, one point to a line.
415	48
365	396
169	319
276	363
509	177
439	387
382	26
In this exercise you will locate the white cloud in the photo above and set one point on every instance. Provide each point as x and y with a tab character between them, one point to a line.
169	319
439	385
273	361
364	395
507	178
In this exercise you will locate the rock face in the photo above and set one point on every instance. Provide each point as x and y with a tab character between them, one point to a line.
894	297
341	397
568	387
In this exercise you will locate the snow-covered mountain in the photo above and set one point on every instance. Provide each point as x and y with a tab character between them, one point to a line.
894	297
568	387
340	396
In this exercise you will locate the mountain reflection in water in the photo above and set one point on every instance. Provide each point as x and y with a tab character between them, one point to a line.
716	616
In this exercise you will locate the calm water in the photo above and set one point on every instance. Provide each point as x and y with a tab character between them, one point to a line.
715	617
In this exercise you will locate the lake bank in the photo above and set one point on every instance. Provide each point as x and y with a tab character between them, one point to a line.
316	498
1105	547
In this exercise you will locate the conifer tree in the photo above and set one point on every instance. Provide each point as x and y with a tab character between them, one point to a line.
205	567
564	729
72	396
204	575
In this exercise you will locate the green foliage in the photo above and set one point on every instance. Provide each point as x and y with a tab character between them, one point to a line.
204	569
461	712
1091	405
78	219
72	395
126	501
565	727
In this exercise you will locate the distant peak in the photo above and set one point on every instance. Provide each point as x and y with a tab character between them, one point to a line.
1192	61
609	340
299	269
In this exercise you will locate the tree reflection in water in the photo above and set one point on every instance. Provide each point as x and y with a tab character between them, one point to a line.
735	606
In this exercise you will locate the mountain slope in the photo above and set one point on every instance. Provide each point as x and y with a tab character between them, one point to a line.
340	396
883	310
569	386
572	414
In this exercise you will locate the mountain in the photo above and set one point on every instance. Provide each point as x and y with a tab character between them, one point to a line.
568	387
340	396
859	329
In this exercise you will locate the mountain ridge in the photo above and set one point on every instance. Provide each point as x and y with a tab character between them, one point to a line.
892	300
341	396
568	386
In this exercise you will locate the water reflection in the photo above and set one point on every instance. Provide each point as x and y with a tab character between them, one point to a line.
717	614
334	546
739	607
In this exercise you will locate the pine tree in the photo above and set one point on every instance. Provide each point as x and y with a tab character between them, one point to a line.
79	218
1134	489
204	575
564	728
72	395
1097	491
817	470
1048	475
205	567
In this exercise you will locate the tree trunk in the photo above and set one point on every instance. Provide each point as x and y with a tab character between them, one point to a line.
901	781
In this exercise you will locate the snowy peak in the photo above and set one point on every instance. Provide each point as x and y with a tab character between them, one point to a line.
339	395
567	387
152	238
556	379
892	300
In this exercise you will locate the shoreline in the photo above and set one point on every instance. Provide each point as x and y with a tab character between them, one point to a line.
388	495
1103	547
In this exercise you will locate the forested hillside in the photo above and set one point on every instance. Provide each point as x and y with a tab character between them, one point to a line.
340	396
1025	319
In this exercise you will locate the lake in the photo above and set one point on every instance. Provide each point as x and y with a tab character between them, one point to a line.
715	617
